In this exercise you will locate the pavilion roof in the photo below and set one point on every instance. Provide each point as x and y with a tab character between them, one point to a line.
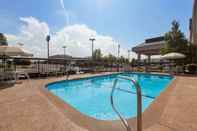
150	48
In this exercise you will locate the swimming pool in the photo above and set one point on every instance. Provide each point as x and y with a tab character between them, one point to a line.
91	96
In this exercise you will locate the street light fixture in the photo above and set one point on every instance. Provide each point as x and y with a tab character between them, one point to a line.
92	40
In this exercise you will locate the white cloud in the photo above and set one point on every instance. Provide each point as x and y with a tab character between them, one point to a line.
32	34
75	37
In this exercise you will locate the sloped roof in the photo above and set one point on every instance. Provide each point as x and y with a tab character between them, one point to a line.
59	56
150	46
14	51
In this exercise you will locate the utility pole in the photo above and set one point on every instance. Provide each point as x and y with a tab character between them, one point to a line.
92	40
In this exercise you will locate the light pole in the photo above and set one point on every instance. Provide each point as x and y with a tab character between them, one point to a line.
118	51
118	57
48	38
129	55
92	40
64	47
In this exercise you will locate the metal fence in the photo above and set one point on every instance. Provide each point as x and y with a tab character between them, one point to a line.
42	67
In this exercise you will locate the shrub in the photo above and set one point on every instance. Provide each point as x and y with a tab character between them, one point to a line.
22	62
192	68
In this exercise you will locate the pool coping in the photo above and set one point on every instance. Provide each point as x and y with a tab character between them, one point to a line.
102	75
150	116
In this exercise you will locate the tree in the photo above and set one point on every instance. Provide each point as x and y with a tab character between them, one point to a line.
123	60
3	40
97	55
134	62
109	59
22	62
175	41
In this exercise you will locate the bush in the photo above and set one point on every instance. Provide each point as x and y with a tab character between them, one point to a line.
22	62
192	68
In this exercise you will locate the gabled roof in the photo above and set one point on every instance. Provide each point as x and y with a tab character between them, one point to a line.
150	46
14	51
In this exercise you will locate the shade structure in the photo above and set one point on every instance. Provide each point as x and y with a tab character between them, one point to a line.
14	51
173	56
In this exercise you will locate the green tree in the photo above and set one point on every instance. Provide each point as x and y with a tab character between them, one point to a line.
123	60
3	40
109	59
175	41
97	55
134	62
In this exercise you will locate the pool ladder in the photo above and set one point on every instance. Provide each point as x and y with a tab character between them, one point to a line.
139	104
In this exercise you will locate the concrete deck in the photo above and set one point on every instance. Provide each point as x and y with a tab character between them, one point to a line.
30	108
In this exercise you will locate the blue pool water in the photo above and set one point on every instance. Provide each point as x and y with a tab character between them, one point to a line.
91	96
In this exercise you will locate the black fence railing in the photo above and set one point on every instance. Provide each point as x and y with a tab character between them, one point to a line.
40	67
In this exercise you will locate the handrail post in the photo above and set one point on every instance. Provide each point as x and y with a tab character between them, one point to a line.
124	121
139	104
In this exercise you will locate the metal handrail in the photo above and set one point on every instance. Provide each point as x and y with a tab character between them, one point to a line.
124	121
139	104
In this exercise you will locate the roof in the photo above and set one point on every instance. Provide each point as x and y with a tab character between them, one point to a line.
14	51
150	46
59	56
155	39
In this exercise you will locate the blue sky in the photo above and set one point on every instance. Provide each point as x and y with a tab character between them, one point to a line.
126	21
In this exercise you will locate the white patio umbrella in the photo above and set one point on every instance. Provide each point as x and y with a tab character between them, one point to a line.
173	56
14	51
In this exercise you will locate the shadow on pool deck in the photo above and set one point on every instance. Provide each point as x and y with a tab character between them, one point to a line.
23	108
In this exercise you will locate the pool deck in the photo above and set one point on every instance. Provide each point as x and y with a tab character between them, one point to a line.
28	107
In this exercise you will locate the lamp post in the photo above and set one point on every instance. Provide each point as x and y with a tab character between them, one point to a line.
48	38
129	55
64	47
92	40
118	51
118	57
